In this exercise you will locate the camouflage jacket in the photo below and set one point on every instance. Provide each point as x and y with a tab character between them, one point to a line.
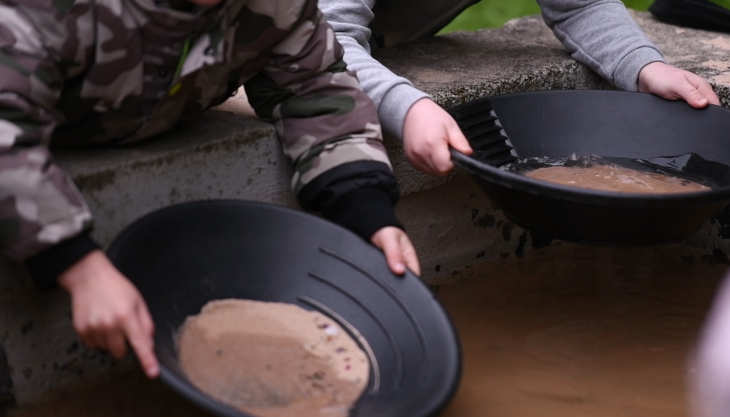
82	72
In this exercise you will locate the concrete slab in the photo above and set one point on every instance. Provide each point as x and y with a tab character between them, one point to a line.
525	56
464	66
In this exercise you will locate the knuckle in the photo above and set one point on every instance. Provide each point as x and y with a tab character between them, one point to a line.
442	171
94	324
113	321
106	325
122	315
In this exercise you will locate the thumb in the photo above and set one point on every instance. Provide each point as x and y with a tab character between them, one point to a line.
696	99
691	93
704	88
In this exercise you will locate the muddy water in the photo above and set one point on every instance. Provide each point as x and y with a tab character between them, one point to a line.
616	179
579	331
567	331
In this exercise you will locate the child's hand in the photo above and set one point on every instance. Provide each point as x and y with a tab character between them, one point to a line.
428	131
108	310
398	249
673	83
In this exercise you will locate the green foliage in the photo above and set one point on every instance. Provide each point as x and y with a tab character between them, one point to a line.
494	13
723	3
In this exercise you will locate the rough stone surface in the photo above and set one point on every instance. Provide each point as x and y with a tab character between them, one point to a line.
525	56
219	156
464	66
224	155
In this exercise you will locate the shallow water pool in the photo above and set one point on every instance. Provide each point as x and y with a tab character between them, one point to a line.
580	331
568	330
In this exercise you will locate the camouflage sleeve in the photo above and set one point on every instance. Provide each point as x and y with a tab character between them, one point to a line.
328	125
39	204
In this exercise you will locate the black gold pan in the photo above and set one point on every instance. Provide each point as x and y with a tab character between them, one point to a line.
184	256
615	124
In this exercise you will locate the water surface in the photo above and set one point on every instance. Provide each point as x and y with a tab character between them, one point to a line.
580	331
566	331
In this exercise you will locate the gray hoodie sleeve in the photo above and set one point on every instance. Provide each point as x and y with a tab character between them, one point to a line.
602	35
393	95
599	33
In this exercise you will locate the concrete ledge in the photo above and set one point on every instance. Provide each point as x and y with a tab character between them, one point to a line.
224	155
525	56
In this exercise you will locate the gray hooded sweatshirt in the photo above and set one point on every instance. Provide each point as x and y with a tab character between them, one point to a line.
599	33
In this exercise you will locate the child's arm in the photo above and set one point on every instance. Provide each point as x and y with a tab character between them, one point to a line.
405	112
602	35
44	220
330	130
393	95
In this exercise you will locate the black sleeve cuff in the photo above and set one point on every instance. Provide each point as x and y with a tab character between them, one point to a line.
364	211
49	264
325	191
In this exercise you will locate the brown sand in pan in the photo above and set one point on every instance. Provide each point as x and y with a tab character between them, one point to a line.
616	179
272	359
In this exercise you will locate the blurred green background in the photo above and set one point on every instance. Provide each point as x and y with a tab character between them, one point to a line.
494	13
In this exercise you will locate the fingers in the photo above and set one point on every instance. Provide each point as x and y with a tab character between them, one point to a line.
386	239
439	160
673	83
115	343
148	326
690	92
398	249
108	310
86	330
703	88
433	156
93	340
408	253
393	255
137	327
697	91
458	141
137	330
428	132
85	336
